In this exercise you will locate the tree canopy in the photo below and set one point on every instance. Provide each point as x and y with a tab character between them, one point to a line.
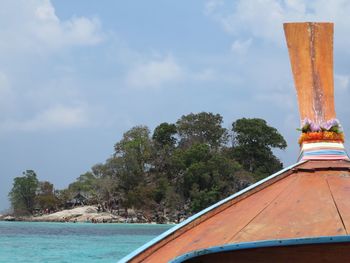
23	193
203	127
253	144
164	135
175	171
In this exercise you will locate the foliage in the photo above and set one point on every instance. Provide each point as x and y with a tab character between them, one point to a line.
164	135
134	152
208	176
253	143
45	197
256	132
332	125
62	197
330	130
321	136
202	127
23	193
179	170
85	183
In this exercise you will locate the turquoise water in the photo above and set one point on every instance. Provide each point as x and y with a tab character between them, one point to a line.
69	242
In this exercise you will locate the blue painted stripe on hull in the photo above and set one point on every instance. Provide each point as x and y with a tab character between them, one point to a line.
262	244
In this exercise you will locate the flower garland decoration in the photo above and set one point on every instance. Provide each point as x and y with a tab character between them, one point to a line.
330	130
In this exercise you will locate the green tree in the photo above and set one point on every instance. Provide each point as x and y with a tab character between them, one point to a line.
164	135
164	141
63	196
182	168
45	197
23	193
253	144
202	127
135	149
107	182
88	184
134	152
207	175
84	183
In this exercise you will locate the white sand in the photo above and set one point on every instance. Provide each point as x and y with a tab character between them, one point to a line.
79	214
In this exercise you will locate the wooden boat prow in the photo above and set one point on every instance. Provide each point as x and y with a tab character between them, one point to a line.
300	214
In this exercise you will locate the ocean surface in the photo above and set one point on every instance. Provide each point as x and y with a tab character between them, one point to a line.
69	242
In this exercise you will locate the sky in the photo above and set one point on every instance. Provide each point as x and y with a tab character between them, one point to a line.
75	75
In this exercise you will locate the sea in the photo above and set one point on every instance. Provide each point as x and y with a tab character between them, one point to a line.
72	242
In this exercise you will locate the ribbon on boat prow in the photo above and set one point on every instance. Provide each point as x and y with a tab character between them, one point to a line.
310	47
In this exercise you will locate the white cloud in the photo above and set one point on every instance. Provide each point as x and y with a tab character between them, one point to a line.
263	18
154	73
240	47
30	29
53	118
46	12
61	116
258	18
33	26
341	82
76	31
212	5
261	22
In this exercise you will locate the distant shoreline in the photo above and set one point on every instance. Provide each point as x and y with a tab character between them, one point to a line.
83	214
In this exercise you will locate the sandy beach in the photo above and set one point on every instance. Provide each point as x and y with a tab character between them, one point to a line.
88	214
83	214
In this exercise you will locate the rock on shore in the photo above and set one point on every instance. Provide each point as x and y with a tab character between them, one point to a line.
7	218
79	214
93	215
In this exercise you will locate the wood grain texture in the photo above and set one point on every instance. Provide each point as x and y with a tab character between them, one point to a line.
308	201
340	188
219	229
155	248
324	165
305	209
310	47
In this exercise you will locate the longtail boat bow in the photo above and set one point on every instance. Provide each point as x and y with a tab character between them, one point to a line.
300	214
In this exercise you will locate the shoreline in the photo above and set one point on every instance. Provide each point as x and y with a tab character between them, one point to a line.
88	223
86	214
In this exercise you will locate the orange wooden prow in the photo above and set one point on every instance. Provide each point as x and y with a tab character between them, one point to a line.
310	47
305	202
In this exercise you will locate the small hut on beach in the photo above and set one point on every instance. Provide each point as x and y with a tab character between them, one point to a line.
78	200
300	214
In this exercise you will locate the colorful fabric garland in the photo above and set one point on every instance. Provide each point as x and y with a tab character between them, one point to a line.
321	136
322	141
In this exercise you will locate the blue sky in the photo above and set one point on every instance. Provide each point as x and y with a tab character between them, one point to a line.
75	75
